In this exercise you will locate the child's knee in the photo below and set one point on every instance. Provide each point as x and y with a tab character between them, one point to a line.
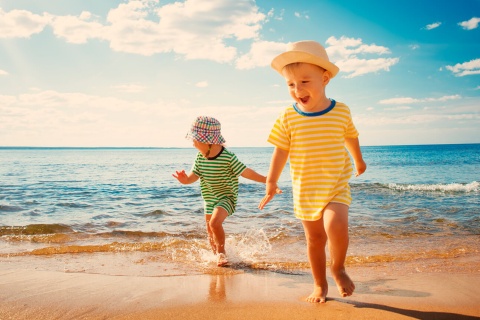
214	224
317	240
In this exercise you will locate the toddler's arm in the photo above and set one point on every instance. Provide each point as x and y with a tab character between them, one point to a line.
353	147
185	178
279	159
253	175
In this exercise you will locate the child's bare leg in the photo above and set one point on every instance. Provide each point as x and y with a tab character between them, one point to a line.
316	241
335	217
216	226
211	239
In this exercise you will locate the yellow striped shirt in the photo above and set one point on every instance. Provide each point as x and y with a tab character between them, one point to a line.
320	166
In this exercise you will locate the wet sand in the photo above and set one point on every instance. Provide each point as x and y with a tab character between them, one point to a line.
382	293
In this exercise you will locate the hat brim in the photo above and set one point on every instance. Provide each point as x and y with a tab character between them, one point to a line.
208	139
286	58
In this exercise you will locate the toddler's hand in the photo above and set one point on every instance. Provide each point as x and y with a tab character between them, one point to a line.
181	176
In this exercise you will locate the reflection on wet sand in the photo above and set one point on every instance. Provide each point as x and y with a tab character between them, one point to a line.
216	292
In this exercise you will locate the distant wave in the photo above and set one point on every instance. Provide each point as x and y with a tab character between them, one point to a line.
10	208
452	187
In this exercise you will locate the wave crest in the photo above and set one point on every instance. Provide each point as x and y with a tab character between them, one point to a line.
452	187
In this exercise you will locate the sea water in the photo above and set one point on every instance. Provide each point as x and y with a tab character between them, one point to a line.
413	202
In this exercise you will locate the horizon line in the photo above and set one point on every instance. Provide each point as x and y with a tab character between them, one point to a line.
130	147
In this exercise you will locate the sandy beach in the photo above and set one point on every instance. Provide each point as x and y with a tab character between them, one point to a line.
383	292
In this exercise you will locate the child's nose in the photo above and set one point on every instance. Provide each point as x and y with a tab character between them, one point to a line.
298	89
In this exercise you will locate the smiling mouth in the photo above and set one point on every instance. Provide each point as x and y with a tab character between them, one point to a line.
304	99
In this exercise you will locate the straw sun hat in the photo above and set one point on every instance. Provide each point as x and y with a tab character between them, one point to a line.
207	130
304	51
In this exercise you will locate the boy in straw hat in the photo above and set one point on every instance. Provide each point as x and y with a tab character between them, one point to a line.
218	170
314	132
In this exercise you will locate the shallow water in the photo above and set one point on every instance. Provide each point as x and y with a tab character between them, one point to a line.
414	202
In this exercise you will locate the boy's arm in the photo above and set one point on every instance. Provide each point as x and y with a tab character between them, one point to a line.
353	147
254	176
279	159
185	178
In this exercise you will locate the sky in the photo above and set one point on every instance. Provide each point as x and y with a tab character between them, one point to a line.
90	73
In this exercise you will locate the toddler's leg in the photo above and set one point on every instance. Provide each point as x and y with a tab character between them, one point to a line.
335	218
211	237
316	241
216	226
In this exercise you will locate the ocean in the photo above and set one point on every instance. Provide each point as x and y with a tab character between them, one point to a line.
119	211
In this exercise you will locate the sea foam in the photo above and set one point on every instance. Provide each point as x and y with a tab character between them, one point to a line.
452	187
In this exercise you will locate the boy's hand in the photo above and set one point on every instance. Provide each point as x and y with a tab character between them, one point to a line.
360	167
271	190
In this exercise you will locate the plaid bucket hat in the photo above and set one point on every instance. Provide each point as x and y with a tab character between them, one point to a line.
207	130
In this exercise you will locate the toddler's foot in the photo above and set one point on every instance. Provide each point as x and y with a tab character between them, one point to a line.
319	294
345	285
222	260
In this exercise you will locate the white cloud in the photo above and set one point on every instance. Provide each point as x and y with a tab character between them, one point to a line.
3	72
398	108
194	29
21	23
260	55
70	118
414	46
415	119
299	15
404	100
77	29
278	17
130	88
53	118
201	84
357	67
6	100
470	24
356	58
433	25
465	69
344	52
408	100
444	98
85	15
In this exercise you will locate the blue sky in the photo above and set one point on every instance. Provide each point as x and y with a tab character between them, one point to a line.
136	73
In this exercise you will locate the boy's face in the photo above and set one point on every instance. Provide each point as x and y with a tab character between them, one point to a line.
306	84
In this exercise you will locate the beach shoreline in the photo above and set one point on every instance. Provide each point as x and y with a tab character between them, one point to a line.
382	292
81	241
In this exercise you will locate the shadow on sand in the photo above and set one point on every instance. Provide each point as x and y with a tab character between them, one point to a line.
415	314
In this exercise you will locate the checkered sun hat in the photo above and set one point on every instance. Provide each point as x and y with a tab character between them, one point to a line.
207	130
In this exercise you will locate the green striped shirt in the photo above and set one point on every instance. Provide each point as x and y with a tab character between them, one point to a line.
218	178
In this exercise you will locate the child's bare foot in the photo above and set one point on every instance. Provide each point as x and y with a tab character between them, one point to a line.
319	294
222	260
345	285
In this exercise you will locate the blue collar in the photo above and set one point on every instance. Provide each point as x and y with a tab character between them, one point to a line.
314	114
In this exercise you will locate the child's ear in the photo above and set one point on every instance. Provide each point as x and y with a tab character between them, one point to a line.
326	77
